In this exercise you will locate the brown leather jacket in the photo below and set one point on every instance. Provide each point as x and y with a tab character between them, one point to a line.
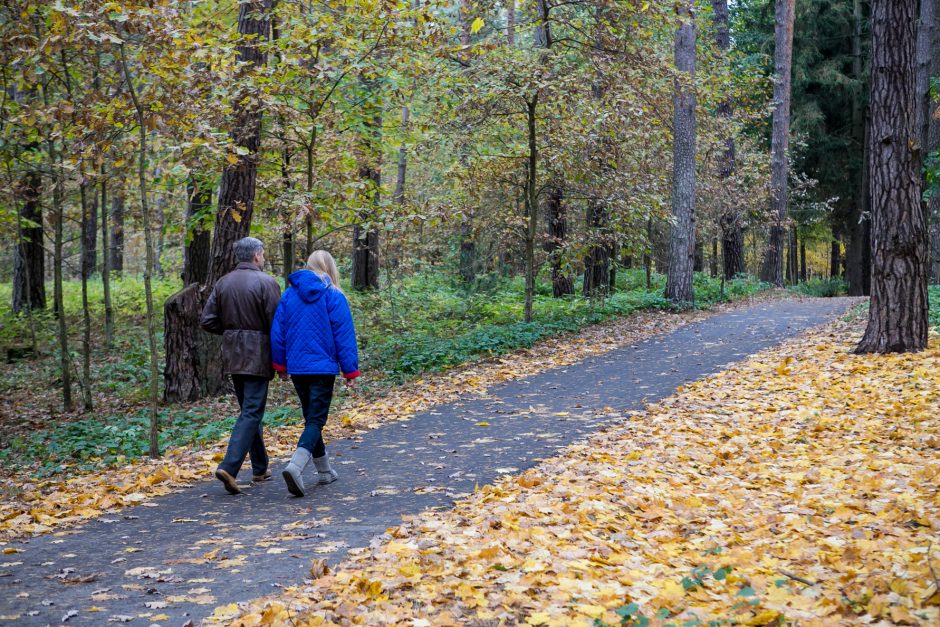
241	310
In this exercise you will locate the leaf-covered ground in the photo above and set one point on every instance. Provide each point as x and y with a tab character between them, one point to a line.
75	495
801	486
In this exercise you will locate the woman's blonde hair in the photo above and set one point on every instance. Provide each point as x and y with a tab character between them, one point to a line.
322	262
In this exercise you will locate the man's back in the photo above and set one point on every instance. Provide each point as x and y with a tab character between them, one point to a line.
245	298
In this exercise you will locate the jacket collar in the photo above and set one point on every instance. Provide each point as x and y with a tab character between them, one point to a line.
246	265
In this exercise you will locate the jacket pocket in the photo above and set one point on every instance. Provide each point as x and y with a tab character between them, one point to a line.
247	352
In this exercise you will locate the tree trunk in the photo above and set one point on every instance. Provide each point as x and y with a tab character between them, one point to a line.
698	256
106	265
89	230
682	241
835	252
772	269
928	58
149	262
857	262
713	261
185	344
197	240
58	210
597	261
87	266
897	317
237	188
399	196
116	245
29	263
562	284
511	23
793	270
531	206
365	257
803	261
732	238
732	250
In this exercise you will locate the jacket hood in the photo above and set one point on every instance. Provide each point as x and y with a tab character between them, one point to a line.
308	284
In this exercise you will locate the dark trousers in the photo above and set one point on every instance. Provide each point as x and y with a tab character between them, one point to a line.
252	393
315	392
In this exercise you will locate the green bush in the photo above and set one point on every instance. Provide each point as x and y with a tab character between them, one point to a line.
826	288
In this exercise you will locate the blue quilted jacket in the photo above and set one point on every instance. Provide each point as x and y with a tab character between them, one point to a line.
313	330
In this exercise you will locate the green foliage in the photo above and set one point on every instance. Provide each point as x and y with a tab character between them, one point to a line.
433	324
833	286
96	443
933	315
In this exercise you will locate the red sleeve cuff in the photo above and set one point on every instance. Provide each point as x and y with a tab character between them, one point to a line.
351	375
279	367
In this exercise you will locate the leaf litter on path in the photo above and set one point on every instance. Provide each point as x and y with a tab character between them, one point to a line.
800	486
78	495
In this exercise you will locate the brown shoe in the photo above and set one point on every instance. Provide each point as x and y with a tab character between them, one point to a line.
258	478
228	481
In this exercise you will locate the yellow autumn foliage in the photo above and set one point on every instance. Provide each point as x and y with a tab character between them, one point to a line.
799	487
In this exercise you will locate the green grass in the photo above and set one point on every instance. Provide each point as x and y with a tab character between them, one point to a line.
426	322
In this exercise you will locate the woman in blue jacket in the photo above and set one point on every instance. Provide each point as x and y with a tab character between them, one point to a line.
313	339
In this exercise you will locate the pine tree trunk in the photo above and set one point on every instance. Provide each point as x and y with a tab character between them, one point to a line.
772	269
732	237
897	320
928	53
835	252
682	241
857	261
29	262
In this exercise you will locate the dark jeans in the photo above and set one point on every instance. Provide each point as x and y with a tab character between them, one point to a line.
315	392
252	393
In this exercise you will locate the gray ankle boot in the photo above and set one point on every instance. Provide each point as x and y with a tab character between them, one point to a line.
325	473
293	472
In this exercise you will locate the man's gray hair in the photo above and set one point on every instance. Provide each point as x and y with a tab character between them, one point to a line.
246	248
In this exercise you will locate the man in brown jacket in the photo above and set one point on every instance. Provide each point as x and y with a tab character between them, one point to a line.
241	310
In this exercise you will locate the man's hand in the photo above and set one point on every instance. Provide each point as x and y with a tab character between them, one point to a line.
283	376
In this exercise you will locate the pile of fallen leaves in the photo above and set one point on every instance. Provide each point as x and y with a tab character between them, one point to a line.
78	495
800	486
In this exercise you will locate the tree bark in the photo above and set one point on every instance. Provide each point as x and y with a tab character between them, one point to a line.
897	317
531	206
772	269
197	241
803	261
29	263
793	270
237	188
116	244
857	261
554	246
106	265
928	65
732	237
597	265
190	352
682	241
511	23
